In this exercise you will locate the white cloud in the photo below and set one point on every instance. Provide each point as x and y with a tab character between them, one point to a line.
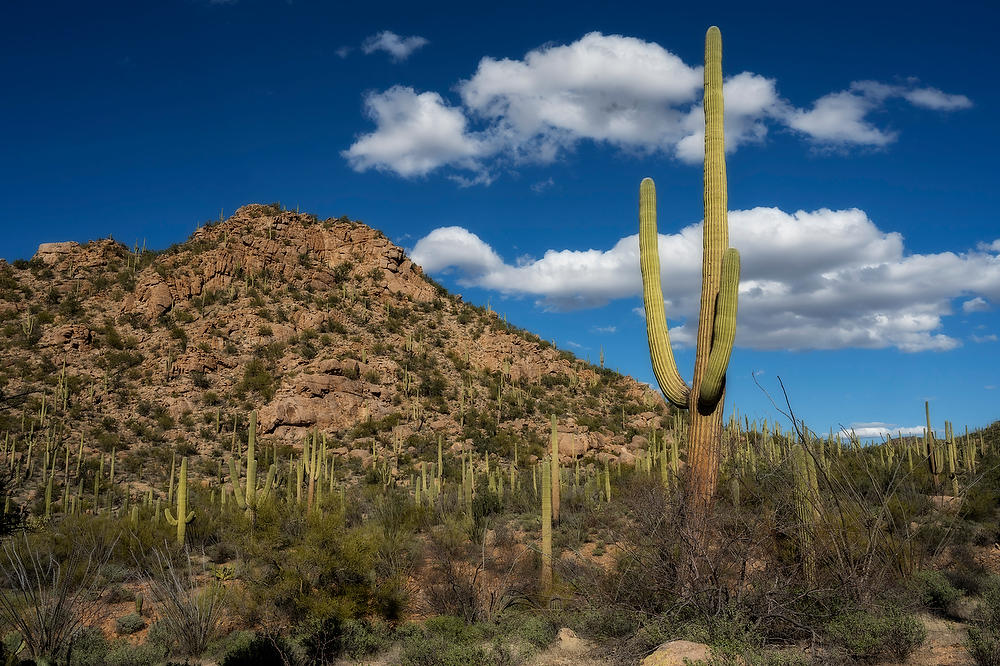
343	51
880	430
543	185
977	304
811	280
983	338
839	118
456	248
398	48
604	329
415	133
637	96
932	98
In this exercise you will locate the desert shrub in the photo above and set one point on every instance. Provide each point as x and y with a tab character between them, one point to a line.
869	636
446	641
536	630
129	624
122	653
983	645
935	591
260	650
46	592
323	640
90	648
190	611
364	637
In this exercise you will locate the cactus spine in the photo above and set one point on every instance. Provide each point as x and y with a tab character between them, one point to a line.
183	515
704	399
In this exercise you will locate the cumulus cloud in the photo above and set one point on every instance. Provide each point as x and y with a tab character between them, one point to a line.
991	337
932	98
880	430
398	48
977	304
825	279
417	133
841	118
637	96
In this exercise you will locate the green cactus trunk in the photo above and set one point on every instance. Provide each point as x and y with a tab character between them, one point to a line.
248	497
183	515
554	472
704	399
934	455
807	507
545	578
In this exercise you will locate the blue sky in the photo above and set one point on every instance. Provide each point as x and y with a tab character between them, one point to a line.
504	144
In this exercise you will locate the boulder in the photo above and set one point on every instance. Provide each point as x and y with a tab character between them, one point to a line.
678	653
52	253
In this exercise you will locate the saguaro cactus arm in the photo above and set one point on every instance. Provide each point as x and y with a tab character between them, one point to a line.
724	334
239	490
661	354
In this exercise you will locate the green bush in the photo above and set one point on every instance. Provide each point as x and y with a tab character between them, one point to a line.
422	650
260	650
869	636
983	645
90	648
362	638
129	624
935	591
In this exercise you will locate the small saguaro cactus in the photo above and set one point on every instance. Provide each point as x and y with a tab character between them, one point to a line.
248	497
183	515
805	489
554	471
935	457
720	273
545	577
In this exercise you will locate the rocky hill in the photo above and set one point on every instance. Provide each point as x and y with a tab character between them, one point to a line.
316	324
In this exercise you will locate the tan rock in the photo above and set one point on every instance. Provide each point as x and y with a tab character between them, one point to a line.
638	442
51	253
74	336
678	653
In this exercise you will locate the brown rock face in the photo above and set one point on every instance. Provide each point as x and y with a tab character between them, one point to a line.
51	253
70	336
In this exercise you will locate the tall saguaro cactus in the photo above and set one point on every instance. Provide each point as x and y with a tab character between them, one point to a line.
248	497
554	471
545	575
183	515
720	273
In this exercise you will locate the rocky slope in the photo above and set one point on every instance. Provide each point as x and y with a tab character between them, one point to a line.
316	324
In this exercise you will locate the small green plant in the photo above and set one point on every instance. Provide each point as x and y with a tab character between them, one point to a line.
935	591
867	635
129	624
